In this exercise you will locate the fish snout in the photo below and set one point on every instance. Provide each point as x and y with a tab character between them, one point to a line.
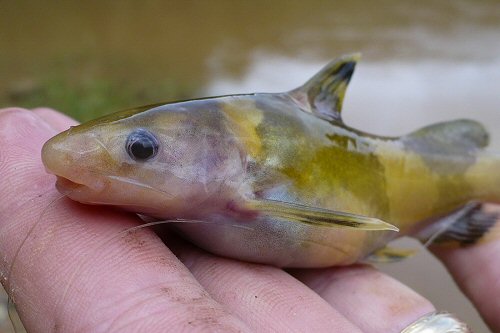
70	158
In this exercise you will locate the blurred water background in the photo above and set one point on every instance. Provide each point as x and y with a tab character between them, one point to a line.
423	62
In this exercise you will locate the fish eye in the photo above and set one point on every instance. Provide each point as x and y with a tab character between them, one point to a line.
142	145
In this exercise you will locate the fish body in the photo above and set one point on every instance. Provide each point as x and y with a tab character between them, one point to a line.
278	178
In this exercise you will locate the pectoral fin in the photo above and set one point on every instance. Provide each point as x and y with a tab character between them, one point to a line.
317	216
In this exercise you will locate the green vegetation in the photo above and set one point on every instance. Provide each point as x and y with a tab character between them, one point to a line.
86	99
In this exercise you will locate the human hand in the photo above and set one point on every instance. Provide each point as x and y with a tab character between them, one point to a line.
69	269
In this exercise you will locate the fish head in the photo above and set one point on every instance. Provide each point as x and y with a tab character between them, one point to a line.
167	161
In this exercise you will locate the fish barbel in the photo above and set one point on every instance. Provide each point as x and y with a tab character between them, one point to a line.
279	178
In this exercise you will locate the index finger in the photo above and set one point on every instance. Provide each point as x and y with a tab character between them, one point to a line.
60	267
476	269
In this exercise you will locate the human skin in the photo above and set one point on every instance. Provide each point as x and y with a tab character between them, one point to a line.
69	269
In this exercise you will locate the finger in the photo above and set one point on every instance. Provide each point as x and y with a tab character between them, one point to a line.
370	299
57	120
68	276
266	298
476	269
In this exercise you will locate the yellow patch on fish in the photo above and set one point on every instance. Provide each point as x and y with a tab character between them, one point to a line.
482	175
405	172
245	117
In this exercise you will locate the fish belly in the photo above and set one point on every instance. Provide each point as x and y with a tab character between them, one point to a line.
282	243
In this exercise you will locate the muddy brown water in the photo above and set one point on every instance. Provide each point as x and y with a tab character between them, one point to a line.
423	62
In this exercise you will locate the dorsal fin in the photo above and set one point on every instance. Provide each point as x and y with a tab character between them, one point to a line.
457	136
324	93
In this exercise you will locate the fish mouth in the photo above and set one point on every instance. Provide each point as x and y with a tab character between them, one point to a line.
68	186
64	185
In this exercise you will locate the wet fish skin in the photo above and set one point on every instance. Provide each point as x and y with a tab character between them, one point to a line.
270	175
